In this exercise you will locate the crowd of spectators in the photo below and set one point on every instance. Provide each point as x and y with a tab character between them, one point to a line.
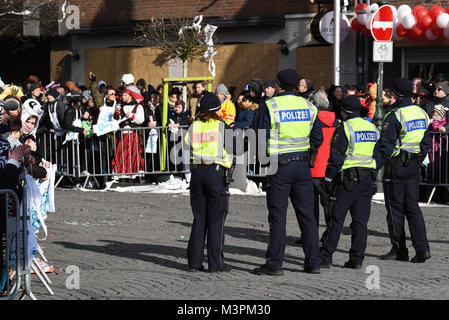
31	109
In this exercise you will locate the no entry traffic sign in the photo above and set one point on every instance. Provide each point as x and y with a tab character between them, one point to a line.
382	23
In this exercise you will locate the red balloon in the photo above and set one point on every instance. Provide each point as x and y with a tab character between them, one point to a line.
367	32
425	22
401	31
361	6
435	11
420	13
416	8
436	29
355	25
415	32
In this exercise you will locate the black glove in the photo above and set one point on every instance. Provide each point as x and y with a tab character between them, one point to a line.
327	186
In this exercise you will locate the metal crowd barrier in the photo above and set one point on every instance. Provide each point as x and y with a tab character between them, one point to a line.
15	237
436	173
124	154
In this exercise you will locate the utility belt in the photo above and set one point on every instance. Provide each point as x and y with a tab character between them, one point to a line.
227	172
302	158
217	168
355	174
404	157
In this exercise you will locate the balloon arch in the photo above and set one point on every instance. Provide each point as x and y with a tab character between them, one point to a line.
414	24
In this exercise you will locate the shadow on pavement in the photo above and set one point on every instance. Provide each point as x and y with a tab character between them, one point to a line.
148	252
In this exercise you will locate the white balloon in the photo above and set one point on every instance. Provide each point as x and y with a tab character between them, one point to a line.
372	8
443	20
430	35
369	20
408	21
362	18
446	33
395	21
404	10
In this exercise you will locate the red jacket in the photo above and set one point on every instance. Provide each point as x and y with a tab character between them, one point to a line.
328	119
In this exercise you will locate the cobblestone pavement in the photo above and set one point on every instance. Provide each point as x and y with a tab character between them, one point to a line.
133	246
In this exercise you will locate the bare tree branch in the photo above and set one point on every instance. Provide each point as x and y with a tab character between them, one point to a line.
164	35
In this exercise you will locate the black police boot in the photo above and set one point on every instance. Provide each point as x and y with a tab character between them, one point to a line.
264	270
392	255
422	257
226	268
352	265
191	269
312	270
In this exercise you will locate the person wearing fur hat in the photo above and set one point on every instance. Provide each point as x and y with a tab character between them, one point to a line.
441	96
404	143
53	118
247	107
209	158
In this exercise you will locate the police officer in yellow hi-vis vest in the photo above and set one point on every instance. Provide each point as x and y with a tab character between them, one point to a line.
404	143
349	179
292	129
208	191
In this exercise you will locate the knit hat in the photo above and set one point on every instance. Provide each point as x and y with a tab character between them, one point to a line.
403	87
34	86
287	79
54	93
269	83
100	83
440	109
443	86
222	89
209	102
11	105
351	104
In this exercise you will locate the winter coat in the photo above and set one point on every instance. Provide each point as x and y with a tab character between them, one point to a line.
328	118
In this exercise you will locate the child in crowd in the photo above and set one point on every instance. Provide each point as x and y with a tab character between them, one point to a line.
14	134
178	117
438	122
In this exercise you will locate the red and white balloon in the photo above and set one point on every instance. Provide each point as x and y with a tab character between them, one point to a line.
411	23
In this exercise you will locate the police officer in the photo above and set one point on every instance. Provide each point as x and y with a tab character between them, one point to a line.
289	122
404	143
208	191
349	178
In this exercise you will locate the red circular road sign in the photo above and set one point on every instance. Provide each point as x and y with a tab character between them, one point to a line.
382	23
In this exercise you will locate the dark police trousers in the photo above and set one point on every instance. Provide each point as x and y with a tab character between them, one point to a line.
292	180
354	196
401	200
209	206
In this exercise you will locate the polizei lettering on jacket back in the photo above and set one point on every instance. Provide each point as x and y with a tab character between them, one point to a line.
418	124
365	136
294	115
